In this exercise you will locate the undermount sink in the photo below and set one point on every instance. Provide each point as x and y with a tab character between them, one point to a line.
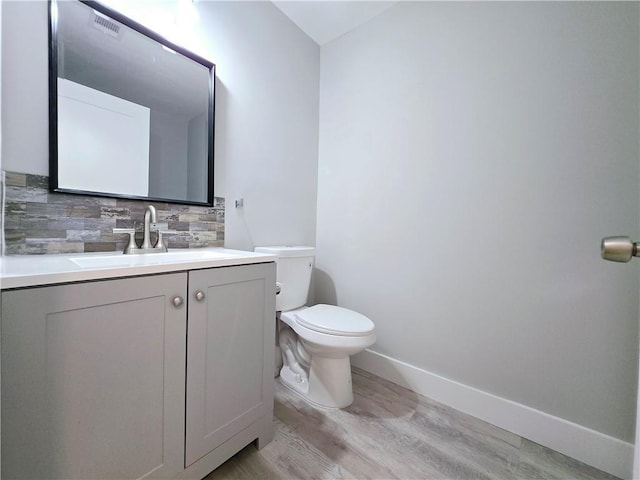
175	256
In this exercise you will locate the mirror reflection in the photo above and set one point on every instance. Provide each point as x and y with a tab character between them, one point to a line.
131	113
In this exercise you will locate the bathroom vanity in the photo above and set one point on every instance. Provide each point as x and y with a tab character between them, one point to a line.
153	367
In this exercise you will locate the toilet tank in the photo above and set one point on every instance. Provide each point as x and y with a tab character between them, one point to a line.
294	267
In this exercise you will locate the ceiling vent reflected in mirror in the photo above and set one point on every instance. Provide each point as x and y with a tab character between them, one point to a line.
105	25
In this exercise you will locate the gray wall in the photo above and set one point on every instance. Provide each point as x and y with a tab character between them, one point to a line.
197	159
267	122
1	177
168	148
25	107
266	138
472	156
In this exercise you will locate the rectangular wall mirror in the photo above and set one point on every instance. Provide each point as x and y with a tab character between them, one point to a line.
131	114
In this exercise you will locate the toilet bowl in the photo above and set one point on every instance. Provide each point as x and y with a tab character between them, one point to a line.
316	345
315	342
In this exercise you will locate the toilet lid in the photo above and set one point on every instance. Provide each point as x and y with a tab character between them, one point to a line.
335	320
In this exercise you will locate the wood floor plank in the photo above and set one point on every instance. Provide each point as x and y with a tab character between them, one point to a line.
550	464
332	432
390	432
476	448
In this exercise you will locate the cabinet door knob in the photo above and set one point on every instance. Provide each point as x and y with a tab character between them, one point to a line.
199	295
177	301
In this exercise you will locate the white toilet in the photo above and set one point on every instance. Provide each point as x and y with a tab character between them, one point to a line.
316	342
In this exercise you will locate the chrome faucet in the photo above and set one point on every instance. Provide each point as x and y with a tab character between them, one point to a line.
149	217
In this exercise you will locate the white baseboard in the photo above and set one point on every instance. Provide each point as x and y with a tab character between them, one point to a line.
601	451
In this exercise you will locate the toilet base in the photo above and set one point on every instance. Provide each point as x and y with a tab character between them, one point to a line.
328	384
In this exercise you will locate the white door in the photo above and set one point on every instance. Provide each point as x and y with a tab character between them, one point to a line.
622	249
636	461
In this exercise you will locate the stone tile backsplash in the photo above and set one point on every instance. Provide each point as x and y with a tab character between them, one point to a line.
37	221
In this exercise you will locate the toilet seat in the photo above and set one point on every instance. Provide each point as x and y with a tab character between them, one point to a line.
333	320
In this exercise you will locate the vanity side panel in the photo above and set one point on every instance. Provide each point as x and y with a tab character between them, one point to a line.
93	379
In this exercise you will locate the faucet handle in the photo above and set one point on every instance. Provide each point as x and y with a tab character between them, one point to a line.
131	245
160	242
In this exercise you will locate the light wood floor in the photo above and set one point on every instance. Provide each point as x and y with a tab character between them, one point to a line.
390	432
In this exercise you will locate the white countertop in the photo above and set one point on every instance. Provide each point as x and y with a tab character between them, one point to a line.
34	270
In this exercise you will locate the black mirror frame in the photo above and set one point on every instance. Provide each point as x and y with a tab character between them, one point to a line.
53	104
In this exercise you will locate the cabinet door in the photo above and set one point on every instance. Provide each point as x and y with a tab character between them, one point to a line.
230	352
93	379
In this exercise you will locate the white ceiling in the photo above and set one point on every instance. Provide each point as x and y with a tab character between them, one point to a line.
326	20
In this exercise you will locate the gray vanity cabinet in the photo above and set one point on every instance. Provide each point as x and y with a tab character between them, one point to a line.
93	379
94	374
